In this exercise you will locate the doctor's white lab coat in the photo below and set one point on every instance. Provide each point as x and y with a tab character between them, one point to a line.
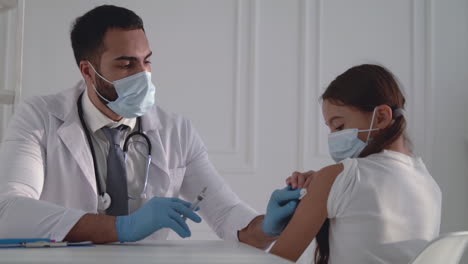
47	179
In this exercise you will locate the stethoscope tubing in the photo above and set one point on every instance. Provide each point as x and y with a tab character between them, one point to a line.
101	192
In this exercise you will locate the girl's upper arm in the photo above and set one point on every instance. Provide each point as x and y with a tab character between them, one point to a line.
309	217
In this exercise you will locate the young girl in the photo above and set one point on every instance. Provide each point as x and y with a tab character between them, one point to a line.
378	204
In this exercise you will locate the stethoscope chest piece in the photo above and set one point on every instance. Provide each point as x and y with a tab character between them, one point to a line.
104	202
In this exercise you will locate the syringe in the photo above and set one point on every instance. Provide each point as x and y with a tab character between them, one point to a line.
197	200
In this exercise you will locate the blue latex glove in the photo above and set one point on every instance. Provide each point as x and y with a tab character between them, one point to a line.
157	213
281	207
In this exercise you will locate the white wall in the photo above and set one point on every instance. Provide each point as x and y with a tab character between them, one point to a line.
250	73
449	81
449	78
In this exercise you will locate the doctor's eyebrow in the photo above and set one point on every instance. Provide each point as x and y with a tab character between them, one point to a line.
131	58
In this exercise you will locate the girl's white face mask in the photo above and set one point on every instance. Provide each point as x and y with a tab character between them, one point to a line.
135	94
346	144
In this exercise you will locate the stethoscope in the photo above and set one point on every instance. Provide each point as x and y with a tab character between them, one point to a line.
104	199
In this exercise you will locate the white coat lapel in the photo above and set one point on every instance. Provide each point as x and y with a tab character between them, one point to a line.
73	137
151	125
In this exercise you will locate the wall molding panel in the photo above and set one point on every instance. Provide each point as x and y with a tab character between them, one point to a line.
240	158
11	57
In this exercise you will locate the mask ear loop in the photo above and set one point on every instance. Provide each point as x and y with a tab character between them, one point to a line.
371	125
102	77
102	97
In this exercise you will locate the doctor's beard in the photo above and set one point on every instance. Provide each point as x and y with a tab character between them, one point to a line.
106	90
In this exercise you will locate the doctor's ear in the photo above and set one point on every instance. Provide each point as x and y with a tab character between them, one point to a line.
86	71
383	117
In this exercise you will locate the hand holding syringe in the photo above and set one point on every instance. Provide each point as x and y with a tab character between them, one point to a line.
197	200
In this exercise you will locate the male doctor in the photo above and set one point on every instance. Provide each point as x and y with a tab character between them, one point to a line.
76	165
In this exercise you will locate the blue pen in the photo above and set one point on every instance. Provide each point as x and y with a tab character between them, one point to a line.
21	242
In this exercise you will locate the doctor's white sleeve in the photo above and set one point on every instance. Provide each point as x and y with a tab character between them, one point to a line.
222	209
22	168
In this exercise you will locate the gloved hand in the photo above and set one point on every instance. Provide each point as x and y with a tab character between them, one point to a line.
157	213
280	209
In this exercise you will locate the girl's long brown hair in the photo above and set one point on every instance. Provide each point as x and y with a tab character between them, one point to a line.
364	87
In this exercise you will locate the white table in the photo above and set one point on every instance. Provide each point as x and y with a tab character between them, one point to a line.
186	252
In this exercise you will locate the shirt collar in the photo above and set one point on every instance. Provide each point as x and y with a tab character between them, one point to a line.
96	120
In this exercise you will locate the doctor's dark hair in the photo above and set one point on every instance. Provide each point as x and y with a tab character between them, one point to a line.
88	31
365	87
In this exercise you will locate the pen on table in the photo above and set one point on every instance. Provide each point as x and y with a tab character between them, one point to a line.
22	242
38	243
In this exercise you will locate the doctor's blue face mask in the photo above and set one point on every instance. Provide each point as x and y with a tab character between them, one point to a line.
346	144
135	94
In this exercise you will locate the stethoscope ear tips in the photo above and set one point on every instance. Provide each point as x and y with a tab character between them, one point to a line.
104	202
